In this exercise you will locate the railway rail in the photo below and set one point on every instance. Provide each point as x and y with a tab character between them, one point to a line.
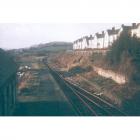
84	102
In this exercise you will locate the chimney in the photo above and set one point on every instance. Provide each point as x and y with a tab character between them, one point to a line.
122	25
113	28
133	24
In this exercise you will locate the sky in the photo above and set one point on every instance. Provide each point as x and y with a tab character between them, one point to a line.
20	35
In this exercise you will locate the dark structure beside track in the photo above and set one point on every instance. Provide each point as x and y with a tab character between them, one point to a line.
8	84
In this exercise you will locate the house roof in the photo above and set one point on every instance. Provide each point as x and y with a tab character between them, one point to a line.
113	31
7	67
135	25
101	35
86	38
79	40
110	32
91	37
126	28
132	27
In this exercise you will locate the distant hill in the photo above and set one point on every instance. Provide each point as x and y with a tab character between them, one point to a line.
44	47
52	46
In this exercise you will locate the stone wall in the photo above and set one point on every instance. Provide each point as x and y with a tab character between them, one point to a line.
118	78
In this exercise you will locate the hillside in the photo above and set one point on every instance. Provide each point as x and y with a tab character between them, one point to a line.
52	46
42	49
123	58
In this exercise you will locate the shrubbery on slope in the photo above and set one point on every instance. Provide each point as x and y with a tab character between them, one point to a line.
124	55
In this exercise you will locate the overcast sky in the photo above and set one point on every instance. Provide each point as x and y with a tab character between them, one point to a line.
24	35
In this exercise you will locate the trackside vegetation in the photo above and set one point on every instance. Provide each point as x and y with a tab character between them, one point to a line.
124	56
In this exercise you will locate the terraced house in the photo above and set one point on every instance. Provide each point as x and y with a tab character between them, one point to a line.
135	29
91	41
111	36
85	42
105	38
7	84
100	40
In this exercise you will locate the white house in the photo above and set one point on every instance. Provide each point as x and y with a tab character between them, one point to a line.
106	38
135	30
80	43
77	44
95	41
91	42
113	34
85	42
74	45
100	40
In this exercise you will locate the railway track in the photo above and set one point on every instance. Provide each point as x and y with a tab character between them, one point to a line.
85	103
101	106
